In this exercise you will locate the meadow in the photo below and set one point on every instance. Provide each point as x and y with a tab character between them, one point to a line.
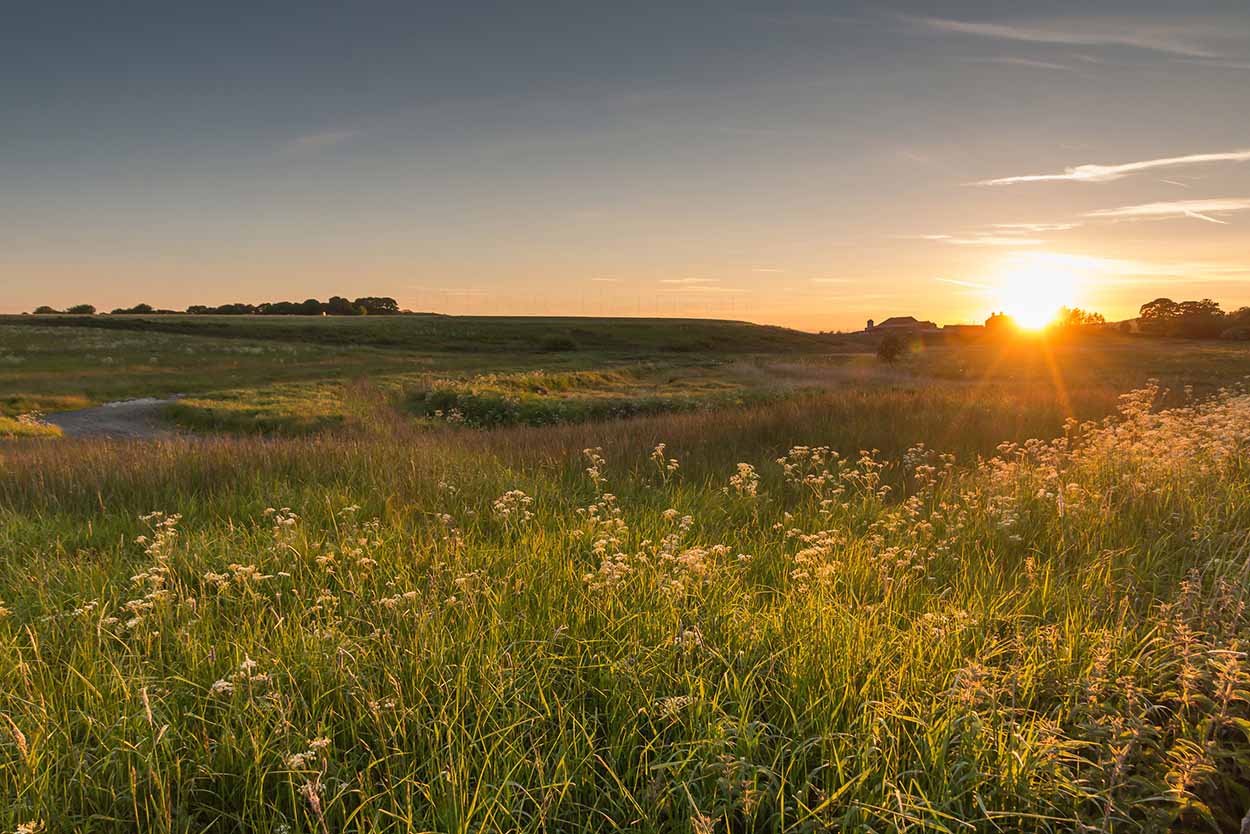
996	588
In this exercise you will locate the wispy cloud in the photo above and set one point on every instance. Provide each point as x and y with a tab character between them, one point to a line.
1035	228
1188	40
1220	64
766	269
1196	209
605	280
831	280
1019	62
1107	173
689	281
983	240
970	284
321	141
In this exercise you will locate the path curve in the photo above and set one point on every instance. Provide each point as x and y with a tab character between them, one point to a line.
129	419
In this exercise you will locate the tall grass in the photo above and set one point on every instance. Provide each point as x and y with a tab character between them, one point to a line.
461	631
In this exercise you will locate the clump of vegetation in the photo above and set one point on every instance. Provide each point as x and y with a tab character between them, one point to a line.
1192	319
30	424
495	632
892	348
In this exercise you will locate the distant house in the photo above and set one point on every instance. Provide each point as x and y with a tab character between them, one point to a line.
902	323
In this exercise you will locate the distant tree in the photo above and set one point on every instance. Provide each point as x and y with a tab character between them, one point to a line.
339	306
891	348
45	310
1190	319
82	310
310	307
1201	319
1158	316
378	305
1076	317
137	310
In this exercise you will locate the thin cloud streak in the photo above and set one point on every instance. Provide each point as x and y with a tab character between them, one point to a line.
1195	209
1108	173
970	284
1036	227
984	240
1186	41
1020	62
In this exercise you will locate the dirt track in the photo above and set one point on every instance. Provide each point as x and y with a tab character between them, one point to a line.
132	419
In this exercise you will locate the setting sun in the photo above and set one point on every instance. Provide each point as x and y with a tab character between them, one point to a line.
1033	288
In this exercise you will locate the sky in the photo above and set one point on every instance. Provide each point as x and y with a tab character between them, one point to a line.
809	164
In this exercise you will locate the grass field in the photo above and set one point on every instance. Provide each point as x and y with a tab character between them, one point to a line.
408	625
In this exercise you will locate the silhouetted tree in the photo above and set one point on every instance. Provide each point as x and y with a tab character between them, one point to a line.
45	310
339	306
82	310
1076	317
891	348
378	305
1191	319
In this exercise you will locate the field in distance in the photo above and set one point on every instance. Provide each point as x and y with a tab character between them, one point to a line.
298	375
832	594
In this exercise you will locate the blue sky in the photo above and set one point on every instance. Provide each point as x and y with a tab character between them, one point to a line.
810	164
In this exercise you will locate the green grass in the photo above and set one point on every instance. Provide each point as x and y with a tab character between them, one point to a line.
469	334
13	427
1047	640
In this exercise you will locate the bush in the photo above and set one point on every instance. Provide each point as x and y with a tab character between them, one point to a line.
81	310
45	310
892	348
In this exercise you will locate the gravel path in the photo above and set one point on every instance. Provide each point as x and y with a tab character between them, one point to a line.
132	419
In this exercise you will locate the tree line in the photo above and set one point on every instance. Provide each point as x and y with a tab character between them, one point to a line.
1193	320
369	305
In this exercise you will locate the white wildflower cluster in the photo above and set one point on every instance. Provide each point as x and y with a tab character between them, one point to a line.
157	576
283	524
667	466
513	507
815	468
236	574
453	416
815	563
313	754
604	526
398	600
745	481
595	470
246	678
927	465
32	419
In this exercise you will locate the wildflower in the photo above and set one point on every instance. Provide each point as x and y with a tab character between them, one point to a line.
745	481
513	506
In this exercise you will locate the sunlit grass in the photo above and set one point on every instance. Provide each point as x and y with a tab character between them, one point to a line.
490	631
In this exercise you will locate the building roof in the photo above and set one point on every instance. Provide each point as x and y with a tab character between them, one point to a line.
905	321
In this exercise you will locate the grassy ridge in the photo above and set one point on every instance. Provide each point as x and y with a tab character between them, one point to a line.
469	334
462	631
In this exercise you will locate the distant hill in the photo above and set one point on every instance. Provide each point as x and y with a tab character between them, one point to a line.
477	334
